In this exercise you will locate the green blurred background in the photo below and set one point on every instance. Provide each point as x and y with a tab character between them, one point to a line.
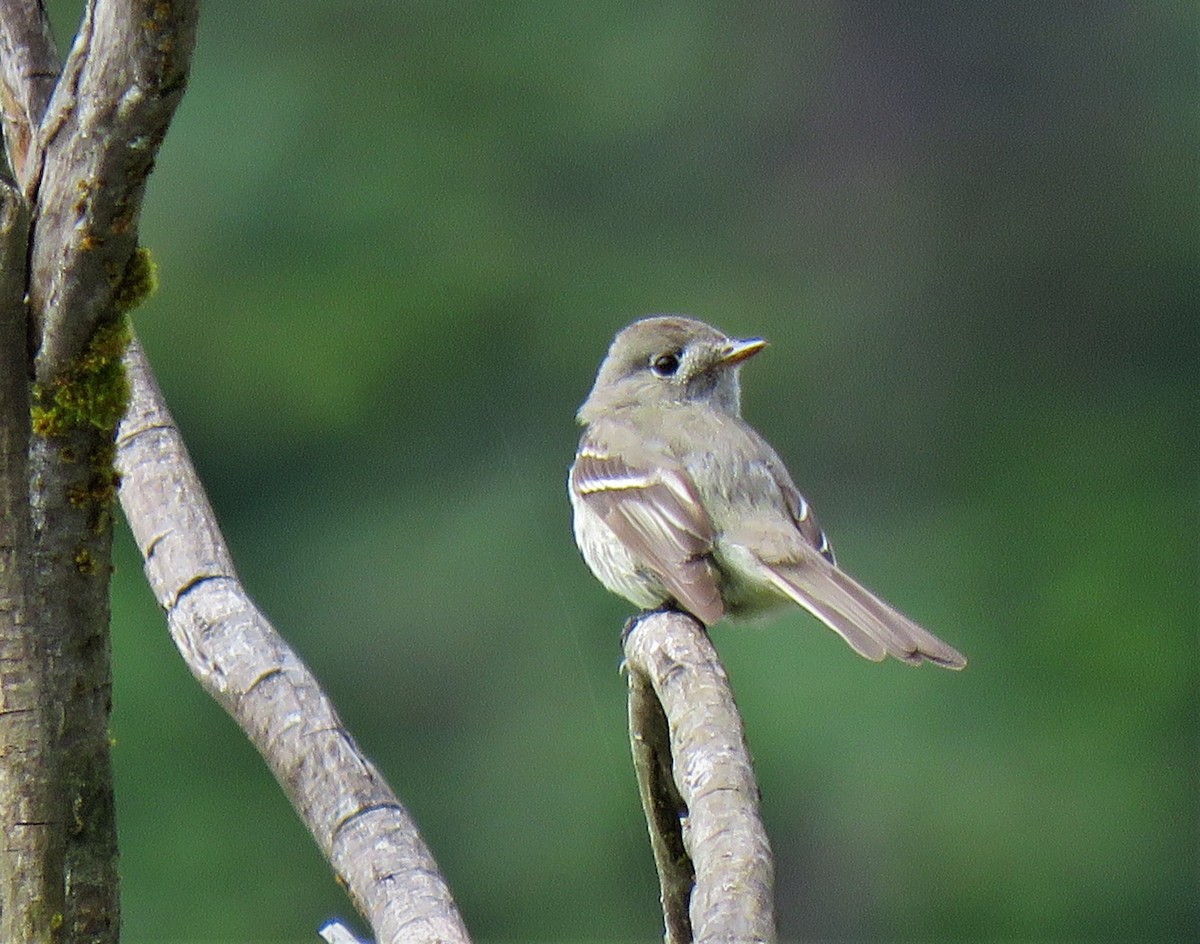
395	239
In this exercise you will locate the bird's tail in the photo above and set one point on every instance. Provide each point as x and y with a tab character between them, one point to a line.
872	628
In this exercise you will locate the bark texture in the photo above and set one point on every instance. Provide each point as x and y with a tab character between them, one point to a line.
238	657
697	785
26	723
81	145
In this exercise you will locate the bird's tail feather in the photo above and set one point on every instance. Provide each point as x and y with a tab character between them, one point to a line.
871	627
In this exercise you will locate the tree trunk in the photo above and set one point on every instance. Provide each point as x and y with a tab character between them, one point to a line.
81	146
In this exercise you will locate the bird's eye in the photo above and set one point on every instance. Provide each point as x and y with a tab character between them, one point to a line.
665	365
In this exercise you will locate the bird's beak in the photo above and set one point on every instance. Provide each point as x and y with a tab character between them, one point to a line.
735	352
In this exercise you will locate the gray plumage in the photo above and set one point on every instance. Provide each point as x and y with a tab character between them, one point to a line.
678	501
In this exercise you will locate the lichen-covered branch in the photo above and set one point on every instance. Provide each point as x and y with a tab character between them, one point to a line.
82	145
82	154
710	810
239	658
126	74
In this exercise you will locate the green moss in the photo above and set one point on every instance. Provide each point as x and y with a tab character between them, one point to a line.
92	392
97	493
138	282
85	562
100	488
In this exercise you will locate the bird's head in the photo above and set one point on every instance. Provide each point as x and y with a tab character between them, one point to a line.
670	359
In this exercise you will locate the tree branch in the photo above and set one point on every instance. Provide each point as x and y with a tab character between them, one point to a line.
334	932
238	657
82	154
83	166
109	113
697	784
31	888
28	72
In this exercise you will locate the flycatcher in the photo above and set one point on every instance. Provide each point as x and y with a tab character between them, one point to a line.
678	502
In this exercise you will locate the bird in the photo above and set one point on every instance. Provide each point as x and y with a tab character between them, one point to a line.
679	503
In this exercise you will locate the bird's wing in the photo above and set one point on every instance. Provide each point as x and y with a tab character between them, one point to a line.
873	628
806	522
654	510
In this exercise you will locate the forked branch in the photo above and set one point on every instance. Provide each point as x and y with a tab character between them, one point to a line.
81	145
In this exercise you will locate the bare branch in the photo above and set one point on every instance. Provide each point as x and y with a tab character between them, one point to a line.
650	739
238	657
712	813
